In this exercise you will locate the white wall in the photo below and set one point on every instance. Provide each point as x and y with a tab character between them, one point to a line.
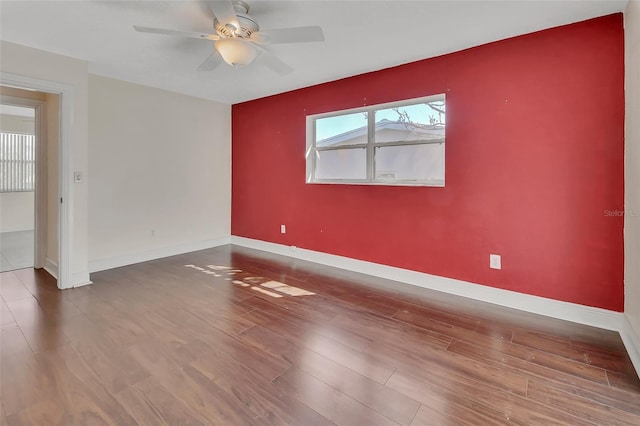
16	211
17	124
632	166
160	172
26	61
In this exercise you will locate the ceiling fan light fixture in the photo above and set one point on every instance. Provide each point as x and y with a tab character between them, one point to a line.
236	52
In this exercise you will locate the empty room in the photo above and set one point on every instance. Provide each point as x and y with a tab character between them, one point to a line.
359	213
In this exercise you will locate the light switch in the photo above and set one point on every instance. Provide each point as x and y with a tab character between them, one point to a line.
78	177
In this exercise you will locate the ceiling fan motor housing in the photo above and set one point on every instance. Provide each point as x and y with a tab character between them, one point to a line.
248	25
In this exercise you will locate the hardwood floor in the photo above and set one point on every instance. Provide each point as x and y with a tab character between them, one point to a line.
217	338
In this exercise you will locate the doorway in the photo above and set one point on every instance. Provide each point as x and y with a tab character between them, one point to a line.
60	212
30	128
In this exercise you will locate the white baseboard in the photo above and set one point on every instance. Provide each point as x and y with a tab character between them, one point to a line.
581	314
158	253
79	279
51	266
631	343
17	229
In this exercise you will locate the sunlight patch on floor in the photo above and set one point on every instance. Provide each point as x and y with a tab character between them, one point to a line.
259	284
267	292
294	291
286	289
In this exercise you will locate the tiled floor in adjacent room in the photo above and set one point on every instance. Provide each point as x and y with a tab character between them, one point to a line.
16	250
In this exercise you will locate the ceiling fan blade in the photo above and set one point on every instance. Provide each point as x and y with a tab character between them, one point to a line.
189	34
211	62
224	11
273	62
288	35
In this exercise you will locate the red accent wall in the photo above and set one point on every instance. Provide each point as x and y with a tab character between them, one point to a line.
534	159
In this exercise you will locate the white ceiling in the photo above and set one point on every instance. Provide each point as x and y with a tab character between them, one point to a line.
361	36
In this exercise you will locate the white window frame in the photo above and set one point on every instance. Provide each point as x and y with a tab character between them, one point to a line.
370	146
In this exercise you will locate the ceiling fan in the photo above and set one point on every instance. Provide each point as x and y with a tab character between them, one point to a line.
238	39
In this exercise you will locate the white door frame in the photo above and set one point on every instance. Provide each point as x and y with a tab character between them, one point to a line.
40	205
65	161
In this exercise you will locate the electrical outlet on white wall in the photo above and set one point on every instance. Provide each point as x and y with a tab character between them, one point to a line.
495	261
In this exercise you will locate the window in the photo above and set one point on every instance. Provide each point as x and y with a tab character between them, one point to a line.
400	143
17	162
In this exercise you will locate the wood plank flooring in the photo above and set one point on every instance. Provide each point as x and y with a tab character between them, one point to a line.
232	336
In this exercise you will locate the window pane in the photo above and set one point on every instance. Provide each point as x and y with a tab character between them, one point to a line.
418	122
410	163
342	164
348	129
